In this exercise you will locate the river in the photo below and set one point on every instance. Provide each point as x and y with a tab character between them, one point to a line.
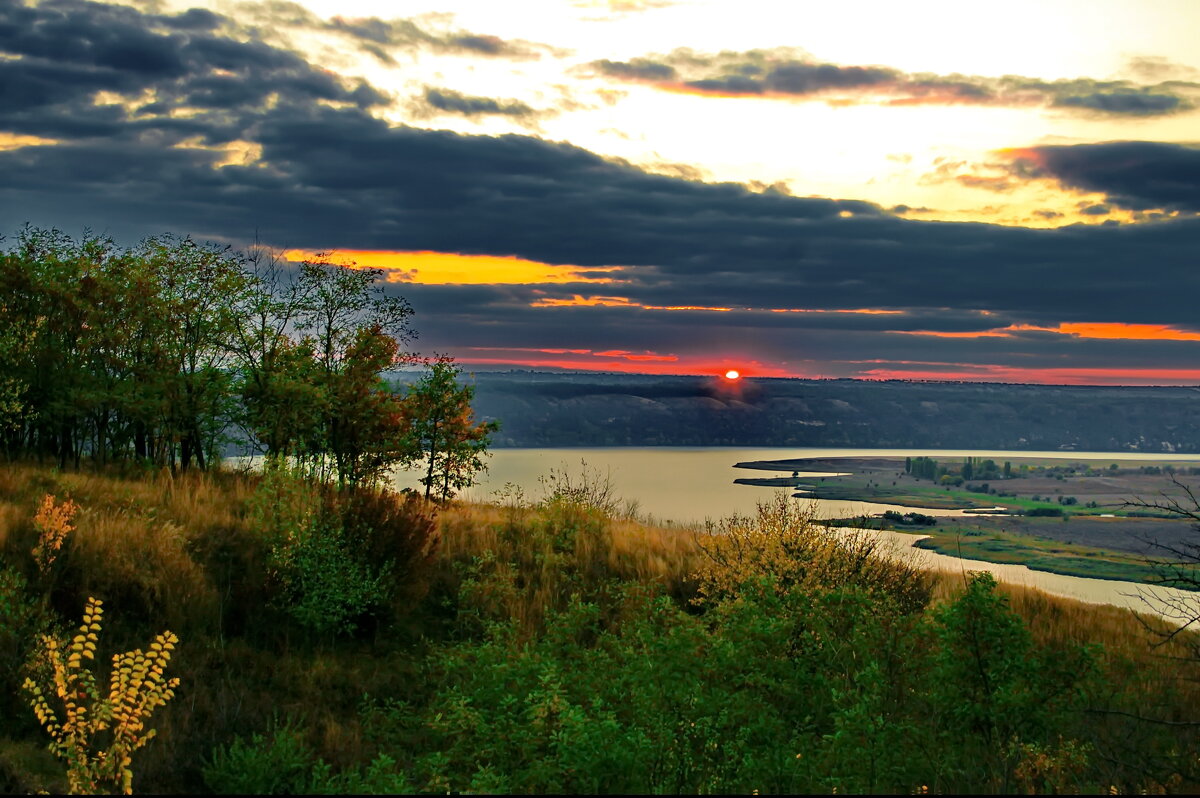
686	485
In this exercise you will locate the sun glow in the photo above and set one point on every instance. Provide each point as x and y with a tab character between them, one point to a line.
732	374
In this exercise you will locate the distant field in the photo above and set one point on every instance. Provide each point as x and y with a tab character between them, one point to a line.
1103	491
1102	541
1039	554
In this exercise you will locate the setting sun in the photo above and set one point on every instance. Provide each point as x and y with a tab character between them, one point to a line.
732	374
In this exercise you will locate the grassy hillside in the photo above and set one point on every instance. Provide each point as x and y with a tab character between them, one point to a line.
360	641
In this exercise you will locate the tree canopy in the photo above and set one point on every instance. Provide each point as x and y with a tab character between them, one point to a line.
167	352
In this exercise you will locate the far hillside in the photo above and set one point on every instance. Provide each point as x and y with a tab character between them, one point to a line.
545	409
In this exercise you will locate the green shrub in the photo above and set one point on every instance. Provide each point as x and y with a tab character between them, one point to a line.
995	692
21	625
324	587
339	556
381	526
277	763
281	763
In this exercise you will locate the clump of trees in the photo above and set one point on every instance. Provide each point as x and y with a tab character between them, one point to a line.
950	474
164	352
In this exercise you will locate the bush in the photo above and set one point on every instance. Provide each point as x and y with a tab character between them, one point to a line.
97	734
588	491
282	763
323	585
275	764
337	556
21	624
783	541
383	526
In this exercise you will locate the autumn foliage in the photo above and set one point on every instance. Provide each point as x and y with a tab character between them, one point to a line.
97	733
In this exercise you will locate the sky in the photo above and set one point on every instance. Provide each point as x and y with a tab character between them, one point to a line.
921	190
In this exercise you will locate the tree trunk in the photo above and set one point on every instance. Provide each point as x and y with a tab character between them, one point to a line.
139	440
432	456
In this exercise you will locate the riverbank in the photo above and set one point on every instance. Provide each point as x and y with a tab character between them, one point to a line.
1056	515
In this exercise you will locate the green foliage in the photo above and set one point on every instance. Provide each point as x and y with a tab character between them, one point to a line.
983	663
279	763
337	556
150	353
992	686
442	434
321	583
282	763
325	588
22	623
540	665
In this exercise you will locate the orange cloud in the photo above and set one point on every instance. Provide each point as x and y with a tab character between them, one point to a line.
1155	332
578	301
686	307
452	268
864	311
648	357
1105	330
618	360
1046	376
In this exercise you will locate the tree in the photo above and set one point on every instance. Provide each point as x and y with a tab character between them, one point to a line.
442	432
346	316
311	343
371	423
198	287
1177	566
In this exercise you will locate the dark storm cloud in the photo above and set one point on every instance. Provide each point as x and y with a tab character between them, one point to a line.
1124	102
1139	175
340	178
62	53
860	343
789	73
453	102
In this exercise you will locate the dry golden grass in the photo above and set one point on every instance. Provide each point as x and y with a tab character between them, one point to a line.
142	533
133	538
529	560
624	548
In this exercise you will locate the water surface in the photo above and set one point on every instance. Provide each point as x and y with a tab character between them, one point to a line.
686	485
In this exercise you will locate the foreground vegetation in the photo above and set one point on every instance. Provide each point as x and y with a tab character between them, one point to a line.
350	641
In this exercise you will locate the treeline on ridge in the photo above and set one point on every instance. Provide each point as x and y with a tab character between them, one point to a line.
560	409
158	352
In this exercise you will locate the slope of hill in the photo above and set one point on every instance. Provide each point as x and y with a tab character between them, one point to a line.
544	409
